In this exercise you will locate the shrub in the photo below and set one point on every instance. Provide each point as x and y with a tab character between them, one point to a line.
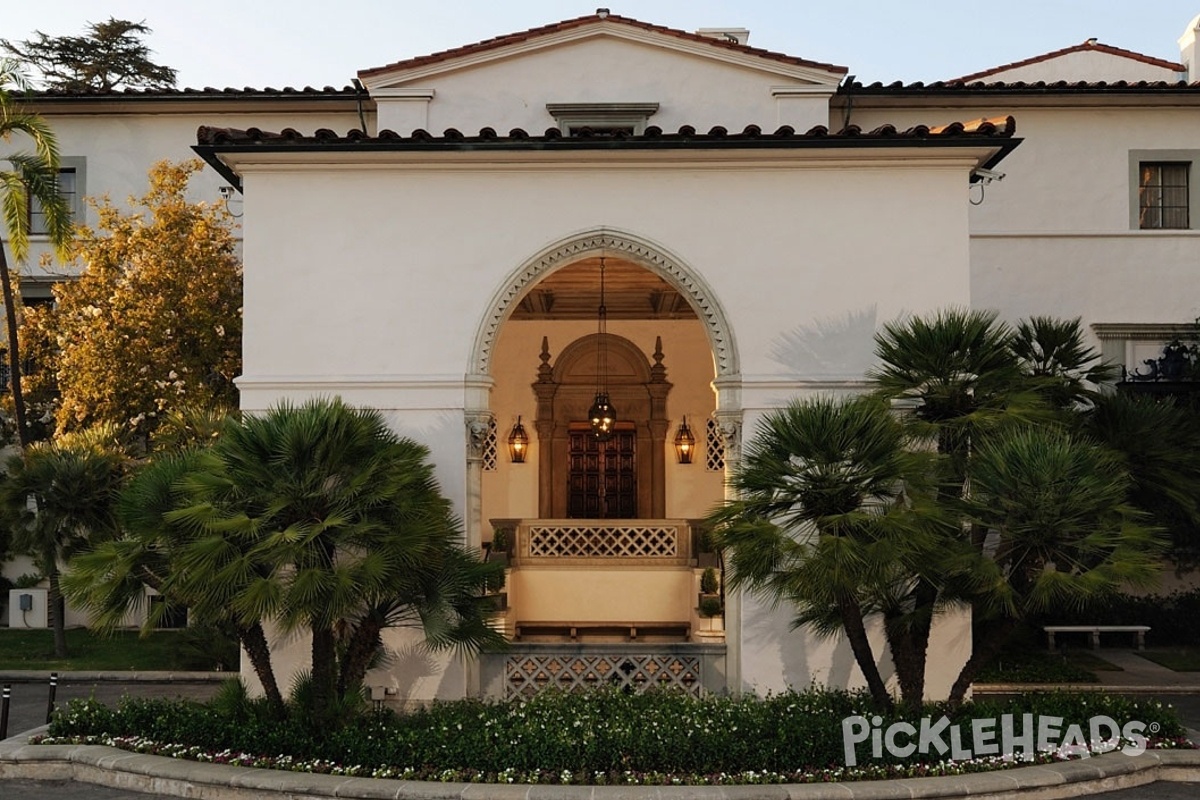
604	733
708	581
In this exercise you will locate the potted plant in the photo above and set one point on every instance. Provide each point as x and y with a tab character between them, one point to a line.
706	549
501	544
496	597
710	607
710	585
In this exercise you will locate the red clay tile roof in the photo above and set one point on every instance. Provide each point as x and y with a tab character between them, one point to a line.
591	19
960	87
553	138
1091	45
207	91
998	131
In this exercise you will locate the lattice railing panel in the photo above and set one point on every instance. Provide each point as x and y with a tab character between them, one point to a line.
714	447
603	541
527	675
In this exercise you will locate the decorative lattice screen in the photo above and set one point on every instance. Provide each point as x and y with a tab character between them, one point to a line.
527	675
603	541
714	447
489	447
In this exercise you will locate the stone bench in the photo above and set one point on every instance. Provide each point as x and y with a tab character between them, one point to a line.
1096	630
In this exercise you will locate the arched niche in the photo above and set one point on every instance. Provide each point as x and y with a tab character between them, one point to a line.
565	391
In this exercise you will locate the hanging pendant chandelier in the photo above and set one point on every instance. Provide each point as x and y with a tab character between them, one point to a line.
602	415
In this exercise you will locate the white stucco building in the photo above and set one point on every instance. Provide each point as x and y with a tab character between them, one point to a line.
432	246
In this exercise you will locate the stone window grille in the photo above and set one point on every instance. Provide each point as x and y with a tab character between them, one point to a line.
489	447
714	447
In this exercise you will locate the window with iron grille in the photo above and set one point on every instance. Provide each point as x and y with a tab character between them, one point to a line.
1163	195
70	187
489	447
714	447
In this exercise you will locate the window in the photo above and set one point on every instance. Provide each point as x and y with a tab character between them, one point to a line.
1163	195
70	186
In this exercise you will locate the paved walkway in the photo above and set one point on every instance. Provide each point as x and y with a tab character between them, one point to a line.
1138	671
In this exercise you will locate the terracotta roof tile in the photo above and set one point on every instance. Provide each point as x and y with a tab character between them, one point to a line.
960	87
1091	45
591	19
207	91
552	138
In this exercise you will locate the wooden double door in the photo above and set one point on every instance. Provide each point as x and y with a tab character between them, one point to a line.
602	476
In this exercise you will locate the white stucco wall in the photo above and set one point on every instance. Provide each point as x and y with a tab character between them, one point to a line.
1057	236
691	90
374	284
120	149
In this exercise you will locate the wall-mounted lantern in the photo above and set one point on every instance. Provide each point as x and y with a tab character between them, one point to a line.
685	443
518	443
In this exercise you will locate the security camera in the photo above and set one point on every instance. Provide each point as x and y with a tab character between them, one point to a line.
987	175
226	191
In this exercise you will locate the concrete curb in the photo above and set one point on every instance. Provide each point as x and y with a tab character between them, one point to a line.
108	766
112	676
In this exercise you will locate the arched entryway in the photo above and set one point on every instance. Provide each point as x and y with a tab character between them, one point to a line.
606	549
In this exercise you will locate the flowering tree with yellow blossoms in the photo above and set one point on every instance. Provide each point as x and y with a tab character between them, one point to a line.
153	323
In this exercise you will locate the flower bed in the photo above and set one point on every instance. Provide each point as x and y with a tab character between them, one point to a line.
604	738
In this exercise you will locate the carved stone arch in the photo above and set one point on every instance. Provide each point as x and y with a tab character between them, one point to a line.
630	247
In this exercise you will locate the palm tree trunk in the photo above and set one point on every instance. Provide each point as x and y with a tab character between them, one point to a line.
364	642
324	656
856	633
14	355
910	667
56	608
255	641
981	655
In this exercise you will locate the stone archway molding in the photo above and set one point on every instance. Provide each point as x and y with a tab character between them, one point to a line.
603	241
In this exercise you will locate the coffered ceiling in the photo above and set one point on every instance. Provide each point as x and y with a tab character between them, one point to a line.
630	292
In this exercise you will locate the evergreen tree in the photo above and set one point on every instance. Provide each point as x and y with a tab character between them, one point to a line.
110	55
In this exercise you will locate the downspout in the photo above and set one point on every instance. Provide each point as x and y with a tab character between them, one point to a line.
359	92
846	86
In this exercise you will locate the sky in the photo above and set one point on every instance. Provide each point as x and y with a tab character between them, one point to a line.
276	43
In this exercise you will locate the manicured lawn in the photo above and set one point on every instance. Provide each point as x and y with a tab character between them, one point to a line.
123	650
1038	666
1180	659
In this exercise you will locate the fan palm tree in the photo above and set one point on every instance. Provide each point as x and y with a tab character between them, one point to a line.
821	520
1053	355
30	180
1062	533
57	496
1158	443
315	517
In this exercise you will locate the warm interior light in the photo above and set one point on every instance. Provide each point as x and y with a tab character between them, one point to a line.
602	415
685	443
518	443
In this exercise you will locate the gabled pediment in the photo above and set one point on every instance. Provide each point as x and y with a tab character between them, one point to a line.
602	26
1089	62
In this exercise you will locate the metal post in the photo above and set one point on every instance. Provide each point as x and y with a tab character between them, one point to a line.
5	700
53	692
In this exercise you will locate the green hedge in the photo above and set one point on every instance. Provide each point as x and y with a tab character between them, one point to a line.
586	734
1171	617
